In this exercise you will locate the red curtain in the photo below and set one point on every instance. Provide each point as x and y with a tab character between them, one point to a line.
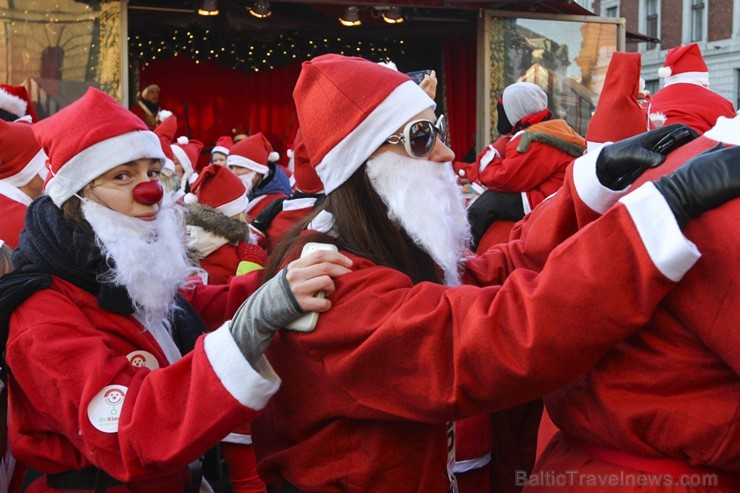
219	99
460	75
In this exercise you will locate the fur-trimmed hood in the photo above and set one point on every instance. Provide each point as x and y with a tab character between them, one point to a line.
216	222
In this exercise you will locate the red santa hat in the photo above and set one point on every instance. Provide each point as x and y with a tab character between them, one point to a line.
223	145
21	156
89	137
15	101
218	187
619	114
306	179
253	153
685	64
348	107
187	152
166	132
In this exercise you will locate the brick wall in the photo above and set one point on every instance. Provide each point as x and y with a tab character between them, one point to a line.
719	19
670	23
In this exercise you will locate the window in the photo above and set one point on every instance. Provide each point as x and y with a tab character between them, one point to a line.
651	21
612	11
697	20
652	85
737	88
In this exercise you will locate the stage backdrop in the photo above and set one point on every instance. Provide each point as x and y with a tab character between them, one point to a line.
218	99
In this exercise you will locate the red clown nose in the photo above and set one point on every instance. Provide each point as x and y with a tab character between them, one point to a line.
148	192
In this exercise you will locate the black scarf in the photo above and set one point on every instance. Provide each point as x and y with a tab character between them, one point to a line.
51	244
153	107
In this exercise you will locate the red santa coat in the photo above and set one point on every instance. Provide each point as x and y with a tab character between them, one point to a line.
536	173
691	104
13	213
167	418
146	116
294	211
376	385
258	204
670	391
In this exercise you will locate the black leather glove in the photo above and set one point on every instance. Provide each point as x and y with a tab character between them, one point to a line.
621	163
702	183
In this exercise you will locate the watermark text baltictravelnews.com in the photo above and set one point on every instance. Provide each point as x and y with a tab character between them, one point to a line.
618	479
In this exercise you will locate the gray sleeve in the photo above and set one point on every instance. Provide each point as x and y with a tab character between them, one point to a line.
270	308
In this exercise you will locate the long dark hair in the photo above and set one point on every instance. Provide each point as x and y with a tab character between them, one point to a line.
363	228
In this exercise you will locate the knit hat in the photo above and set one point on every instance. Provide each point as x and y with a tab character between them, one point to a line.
187	152
223	145
685	64
15	103
253	153
88	138
348	107
306	179
218	187
166	132
523	99
618	113
21	156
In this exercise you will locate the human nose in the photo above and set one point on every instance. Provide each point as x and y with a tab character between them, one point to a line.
441	153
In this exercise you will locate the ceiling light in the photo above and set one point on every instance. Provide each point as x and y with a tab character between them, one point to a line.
351	17
261	9
208	8
393	15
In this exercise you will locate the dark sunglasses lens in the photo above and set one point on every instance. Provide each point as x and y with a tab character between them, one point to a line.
421	138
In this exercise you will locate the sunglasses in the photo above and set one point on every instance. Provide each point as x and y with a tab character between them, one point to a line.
419	136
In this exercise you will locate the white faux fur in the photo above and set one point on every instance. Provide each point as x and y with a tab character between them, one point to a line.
149	257
12	104
423	197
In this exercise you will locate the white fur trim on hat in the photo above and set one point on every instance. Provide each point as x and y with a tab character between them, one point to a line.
182	156
99	158
405	102
223	150
242	162
168	164
273	156
236	206
31	169
664	72
697	78
12	104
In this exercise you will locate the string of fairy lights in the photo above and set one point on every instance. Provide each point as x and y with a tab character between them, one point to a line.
248	56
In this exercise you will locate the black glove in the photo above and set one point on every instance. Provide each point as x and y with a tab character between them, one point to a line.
702	183
621	163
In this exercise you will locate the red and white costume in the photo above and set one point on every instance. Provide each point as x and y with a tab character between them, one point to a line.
664	402
56	434
376	386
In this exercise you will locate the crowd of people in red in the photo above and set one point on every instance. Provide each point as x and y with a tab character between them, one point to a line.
568	323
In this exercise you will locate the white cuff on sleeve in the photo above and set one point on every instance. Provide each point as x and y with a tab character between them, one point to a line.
251	388
671	252
489	156
595	195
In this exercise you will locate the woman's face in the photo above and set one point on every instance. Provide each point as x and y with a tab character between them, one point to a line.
240	171
114	189
440	153
218	158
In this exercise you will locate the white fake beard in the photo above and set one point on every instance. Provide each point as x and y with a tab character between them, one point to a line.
149	257
247	180
423	197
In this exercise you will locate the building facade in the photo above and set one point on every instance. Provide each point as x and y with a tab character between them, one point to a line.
713	24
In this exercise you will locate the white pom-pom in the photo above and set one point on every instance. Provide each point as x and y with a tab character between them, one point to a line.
190	198
163	115
289	152
182	140
461	172
273	156
664	72
657	119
